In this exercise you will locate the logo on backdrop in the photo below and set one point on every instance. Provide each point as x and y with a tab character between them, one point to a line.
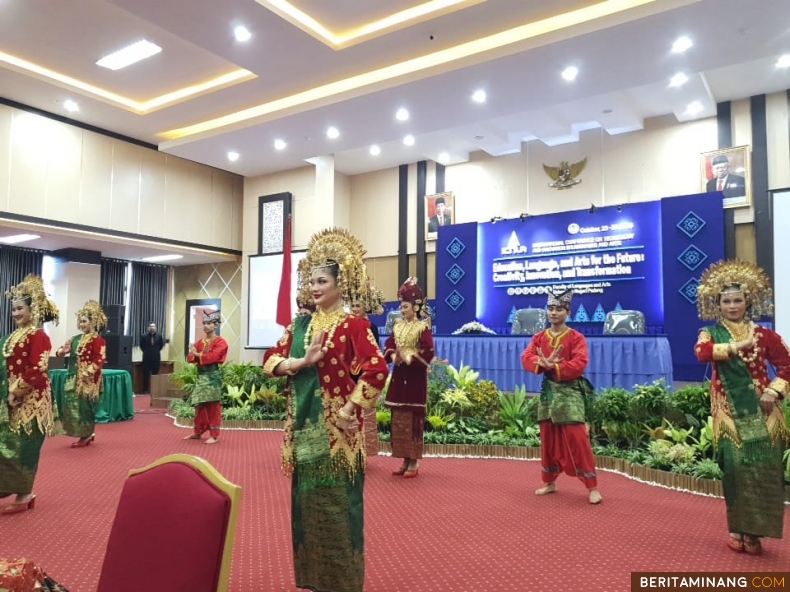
573	228
514	247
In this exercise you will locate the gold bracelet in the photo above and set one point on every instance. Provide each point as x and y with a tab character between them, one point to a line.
287	367
345	416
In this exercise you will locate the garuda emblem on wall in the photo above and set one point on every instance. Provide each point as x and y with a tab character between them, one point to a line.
564	175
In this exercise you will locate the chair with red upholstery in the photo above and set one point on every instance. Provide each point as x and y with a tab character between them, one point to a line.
173	530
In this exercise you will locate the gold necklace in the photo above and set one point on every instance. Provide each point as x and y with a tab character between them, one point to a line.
84	341
328	322
17	337
407	333
741	332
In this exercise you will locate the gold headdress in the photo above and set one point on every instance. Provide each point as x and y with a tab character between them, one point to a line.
95	314
734	276
31	289
374	303
335	246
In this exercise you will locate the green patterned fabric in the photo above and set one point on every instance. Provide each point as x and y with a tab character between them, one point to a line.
77	414
753	479
208	387
117	399
19	453
327	517
563	402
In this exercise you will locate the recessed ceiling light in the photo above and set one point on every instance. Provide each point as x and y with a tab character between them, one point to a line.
160	258
681	44
443	158
242	33
17	238
402	114
70	106
280	144
129	55
375	150
570	73
479	96
233	156
409	140
694	108
678	80
784	61
332	133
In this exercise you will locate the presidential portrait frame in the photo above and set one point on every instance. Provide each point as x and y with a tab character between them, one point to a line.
431	221
738	183
193	317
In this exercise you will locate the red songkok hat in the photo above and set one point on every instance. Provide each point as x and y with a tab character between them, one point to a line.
411	292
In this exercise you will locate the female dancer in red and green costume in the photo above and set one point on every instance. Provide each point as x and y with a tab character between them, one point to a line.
748	422
410	349
208	354
83	380
26	415
560	354
324	449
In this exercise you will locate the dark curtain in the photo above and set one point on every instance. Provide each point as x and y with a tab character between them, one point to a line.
15	264
147	299
113	282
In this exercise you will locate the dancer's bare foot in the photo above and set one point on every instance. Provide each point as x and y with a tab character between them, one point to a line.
595	496
212	441
192	437
546	489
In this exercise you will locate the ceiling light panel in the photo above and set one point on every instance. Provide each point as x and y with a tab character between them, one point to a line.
129	55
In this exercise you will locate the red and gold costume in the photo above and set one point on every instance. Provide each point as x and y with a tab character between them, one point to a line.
207	395
24	377
564	441
26	354
749	427
352	340
408	390
327	464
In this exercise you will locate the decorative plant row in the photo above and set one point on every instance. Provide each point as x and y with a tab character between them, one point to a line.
651	427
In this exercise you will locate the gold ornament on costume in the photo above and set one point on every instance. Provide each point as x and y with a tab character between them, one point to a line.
733	276
42	309
374	303
95	315
335	246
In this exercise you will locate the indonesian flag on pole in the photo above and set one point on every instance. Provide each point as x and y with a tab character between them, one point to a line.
284	316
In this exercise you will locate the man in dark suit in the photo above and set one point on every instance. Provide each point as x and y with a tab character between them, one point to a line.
442	218
151	343
733	186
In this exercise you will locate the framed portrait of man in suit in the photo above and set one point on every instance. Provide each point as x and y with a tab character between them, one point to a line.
728	171
439	211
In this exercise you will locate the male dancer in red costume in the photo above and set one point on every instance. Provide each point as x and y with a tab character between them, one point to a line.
560	354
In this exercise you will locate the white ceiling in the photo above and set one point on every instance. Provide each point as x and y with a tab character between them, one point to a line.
624	60
53	239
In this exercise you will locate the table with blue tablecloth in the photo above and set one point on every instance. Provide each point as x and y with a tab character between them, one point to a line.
116	402
615	360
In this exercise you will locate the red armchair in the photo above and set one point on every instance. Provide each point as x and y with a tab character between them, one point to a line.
174	529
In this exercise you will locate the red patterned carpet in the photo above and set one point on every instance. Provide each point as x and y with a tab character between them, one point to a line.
463	525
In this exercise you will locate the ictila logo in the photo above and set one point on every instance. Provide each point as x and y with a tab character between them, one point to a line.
513	246
573	228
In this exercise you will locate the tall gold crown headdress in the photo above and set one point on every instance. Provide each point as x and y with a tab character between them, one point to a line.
733	275
95	314
374	303
42	308
335	246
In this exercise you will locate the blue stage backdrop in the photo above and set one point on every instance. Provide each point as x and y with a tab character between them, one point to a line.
611	259
644	256
692	228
